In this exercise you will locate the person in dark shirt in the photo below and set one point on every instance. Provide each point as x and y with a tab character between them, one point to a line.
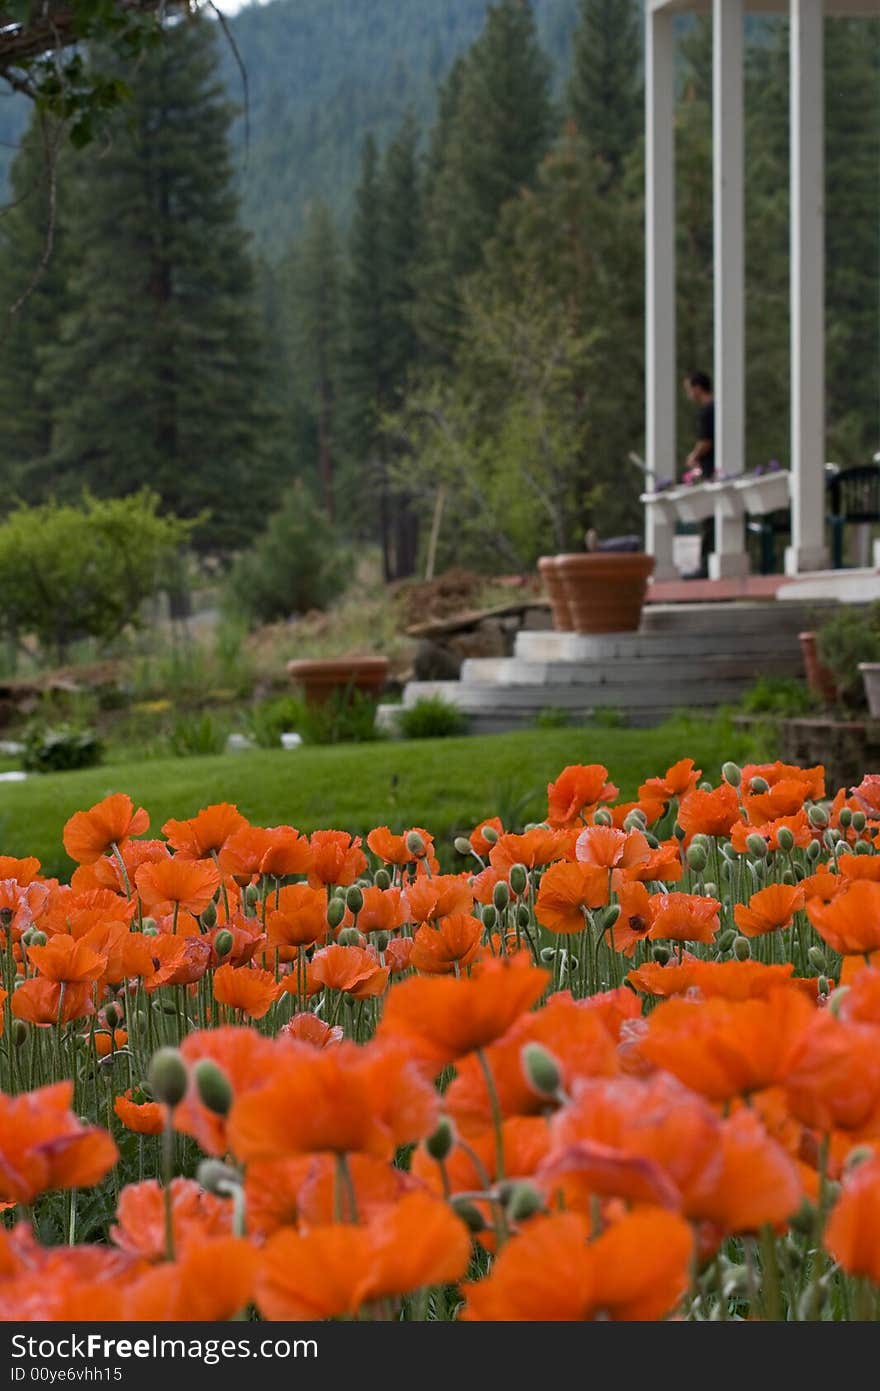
700	463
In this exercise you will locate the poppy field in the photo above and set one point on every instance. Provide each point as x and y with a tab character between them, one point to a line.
622	1065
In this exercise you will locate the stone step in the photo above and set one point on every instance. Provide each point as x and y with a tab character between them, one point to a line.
665	694
513	671
571	647
729	617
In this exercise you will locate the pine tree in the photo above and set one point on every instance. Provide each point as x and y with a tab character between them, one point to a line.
605	90
158	375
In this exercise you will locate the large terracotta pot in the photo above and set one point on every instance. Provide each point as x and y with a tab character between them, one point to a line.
820	678
319	679
605	589
555	593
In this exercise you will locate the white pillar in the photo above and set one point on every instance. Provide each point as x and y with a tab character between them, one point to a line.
730	557
807	550
660	361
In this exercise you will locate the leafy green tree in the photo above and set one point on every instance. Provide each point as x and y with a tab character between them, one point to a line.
158	374
605	89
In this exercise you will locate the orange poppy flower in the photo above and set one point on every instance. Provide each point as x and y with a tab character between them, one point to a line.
651	806
576	1036
798	825
784	798
732	980
63	959
142	1117
770	910
861	1002
398	954
609	848
90	834
175	960
524	1143
106	1043
393	850
374	1185
247	988
245	1057
709	813
684	918
532	849
62	1284
206	833
567	889
23	871
44	1146
823	885
337	858
663	981
140	1217
859	867
106	874
774	773
256	850
42	1001
578	790
182	883
300	917
756	1184
637	1270
356	971
212	1281
482	885
677	781
455	941
664	863
833	1081
442	896
442	1018
634	921
615	1008
867	795
20	906
723	1048
247	938
308	1028
384	910
332	1271
850	924
348	1098
479	843
273	1189
852	1234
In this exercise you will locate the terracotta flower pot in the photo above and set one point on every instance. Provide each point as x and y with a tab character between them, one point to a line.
819	678
555	593
319	679
605	589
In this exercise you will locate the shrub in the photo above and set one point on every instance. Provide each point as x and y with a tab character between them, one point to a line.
850	636
432	717
297	564
58	749
778	695
267	720
194	735
348	717
552	717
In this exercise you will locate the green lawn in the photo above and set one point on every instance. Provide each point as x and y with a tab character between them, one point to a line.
446	785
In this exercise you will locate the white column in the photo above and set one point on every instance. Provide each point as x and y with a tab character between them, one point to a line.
730	557
807	550
660	362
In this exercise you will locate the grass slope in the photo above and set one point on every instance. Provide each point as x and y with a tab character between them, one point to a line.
446	785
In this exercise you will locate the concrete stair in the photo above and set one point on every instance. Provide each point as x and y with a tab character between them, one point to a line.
685	656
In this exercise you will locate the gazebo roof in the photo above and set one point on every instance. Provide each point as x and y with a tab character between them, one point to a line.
852	8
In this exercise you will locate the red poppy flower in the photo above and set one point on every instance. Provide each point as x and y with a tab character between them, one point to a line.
757	1184
850	924
175	960
784	798
578	790
393	850
567	889
798	825
90	834
634	920
184	883
256	850
23	871
247	988
709	813
337	858
383	910
852	1235
677	781
140	1217
478	841
859	867
532	849
246	1058
300	917
44	1146
867	795
684	918
455	941
833	1081
212	1281
442	896
308	1028
609	848
206	833
774	773
142	1117
63	959
355	971
770	910
42	1001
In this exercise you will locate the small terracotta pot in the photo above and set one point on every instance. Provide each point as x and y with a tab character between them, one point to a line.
319	679
555	593
819	678
605	589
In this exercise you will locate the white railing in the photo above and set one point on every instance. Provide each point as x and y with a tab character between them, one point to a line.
729	501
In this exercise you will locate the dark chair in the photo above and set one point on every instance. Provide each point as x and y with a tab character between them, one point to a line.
853	496
768	528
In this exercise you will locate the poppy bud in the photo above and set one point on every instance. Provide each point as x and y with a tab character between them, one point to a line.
469	1214
548	955
634	820
6	918
756	845
608	917
725	870
501	895
602	817
490	835
27	936
440	1143
523	1201
799	873
490	917
859	821
209	917
696	857
860	1155
354	899
463	845
350	937
223	943
660	954
818	816
335	911
381	940
731	773
863	847
18	1032
845	817
788	876
741	948
415	845
252	895
518	878
150	926
217	1178
804	1220
349	1002
705	786
38	939
541	1069
167	1076
728	852
726	939
785	838
213	1086
652	840
679	831
382	879
523	916
830	838
814	850
759	785
816	958
113	1015
710	890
